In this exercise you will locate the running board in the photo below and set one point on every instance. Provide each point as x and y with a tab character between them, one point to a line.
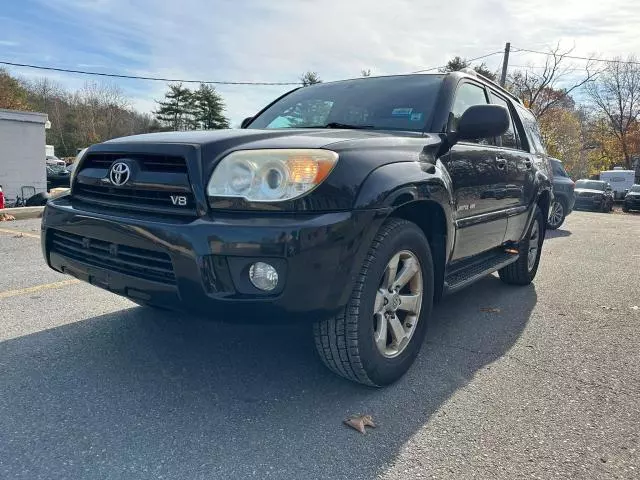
478	269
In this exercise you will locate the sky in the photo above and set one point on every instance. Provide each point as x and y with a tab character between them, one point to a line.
278	40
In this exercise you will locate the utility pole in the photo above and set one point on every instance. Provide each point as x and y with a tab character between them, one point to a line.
505	64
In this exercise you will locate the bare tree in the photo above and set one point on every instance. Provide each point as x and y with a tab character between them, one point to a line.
541	91
616	96
43	92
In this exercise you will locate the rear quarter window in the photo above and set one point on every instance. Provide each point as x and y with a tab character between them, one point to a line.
532	130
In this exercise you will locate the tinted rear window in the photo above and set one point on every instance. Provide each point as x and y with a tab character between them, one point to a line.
558	169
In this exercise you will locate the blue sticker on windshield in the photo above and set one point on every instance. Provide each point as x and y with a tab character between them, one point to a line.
401	112
416	117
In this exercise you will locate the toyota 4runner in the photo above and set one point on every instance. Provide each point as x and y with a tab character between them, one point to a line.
353	204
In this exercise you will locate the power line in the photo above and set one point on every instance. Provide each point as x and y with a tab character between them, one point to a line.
136	77
469	61
607	60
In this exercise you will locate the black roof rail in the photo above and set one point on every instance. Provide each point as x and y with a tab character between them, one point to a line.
472	72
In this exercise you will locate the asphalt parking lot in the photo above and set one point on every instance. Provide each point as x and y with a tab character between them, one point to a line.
544	385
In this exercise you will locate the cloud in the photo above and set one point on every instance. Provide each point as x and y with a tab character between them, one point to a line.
266	40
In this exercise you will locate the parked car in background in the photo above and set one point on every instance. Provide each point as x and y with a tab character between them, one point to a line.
632	199
58	176
53	160
620	181
564	196
593	195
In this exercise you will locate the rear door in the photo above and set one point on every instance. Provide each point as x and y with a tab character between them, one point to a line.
519	169
478	176
533	154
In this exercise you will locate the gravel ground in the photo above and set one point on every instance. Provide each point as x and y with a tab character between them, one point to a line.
93	386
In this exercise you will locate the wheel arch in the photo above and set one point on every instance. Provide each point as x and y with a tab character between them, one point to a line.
418	192
430	217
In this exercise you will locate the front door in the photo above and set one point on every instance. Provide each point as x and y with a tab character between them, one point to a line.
478	175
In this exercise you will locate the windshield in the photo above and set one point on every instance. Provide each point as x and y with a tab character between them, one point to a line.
56	169
383	103
635	189
590	184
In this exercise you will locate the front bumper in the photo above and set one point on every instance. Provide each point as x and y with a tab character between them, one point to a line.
588	203
632	203
318	257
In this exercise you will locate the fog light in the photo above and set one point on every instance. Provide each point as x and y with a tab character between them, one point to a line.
263	276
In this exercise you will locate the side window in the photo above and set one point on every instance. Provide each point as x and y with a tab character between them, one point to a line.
468	95
533	130
558	169
509	139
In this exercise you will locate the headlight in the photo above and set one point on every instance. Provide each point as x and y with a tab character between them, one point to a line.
270	175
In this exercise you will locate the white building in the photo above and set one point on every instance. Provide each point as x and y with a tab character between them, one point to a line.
22	152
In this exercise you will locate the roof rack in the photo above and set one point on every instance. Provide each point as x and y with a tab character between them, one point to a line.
472	72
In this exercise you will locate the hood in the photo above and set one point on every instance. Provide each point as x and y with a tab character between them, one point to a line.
633	194
273	138
588	190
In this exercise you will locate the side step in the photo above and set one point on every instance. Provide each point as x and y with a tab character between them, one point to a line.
477	268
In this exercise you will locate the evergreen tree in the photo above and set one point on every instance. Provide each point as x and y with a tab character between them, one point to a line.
208	109
310	78
458	63
176	110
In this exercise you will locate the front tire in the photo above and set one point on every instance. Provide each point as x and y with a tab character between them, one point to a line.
556	215
378	335
523	271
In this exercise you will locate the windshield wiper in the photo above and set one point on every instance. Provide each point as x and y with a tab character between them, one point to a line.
342	125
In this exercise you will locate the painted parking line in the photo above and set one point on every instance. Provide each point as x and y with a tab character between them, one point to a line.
37	288
18	233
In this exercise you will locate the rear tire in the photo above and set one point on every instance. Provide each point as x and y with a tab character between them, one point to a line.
361	343
523	271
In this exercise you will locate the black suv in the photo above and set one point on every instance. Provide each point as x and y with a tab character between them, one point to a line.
593	195
353	204
563	192
632	199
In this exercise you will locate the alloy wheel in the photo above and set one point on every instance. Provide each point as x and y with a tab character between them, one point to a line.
556	215
397	304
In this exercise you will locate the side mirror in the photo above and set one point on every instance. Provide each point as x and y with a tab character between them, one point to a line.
246	122
482	121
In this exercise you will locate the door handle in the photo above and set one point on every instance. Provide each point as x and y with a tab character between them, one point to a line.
501	163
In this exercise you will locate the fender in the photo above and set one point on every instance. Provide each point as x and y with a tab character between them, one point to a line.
542	184
396	184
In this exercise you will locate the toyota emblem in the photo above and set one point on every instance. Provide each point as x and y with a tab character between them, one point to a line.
119	173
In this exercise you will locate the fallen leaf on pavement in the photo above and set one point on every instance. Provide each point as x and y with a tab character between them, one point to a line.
18	236
490	310
358	422
635	307
5	217
607	308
